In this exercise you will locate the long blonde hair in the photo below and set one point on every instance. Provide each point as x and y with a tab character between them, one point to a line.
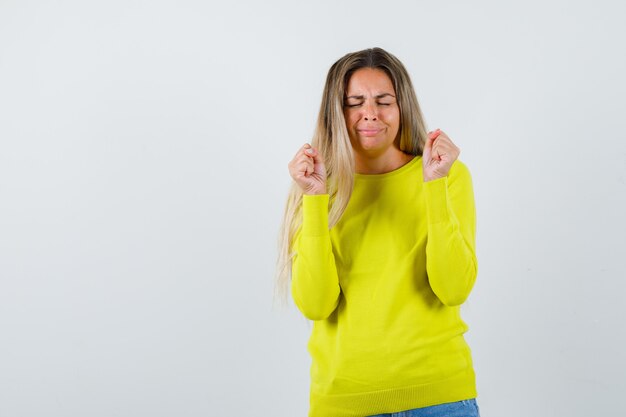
333	143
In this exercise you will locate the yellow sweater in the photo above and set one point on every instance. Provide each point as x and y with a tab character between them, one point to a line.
384	288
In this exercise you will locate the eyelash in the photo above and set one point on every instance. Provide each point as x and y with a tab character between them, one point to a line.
357	105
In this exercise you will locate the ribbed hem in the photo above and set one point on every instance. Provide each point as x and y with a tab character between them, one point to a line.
460	387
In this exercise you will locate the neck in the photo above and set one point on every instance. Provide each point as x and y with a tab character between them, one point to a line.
381	164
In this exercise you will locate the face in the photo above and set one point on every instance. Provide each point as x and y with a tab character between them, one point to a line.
372	113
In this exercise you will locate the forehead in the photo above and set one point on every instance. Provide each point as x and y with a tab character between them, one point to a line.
369	80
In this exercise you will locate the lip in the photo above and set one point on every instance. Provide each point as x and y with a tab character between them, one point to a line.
369	132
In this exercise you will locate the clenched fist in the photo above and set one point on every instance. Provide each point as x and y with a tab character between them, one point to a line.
308	171
438	156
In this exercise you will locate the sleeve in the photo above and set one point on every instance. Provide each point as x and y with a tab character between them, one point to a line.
314	281
451	262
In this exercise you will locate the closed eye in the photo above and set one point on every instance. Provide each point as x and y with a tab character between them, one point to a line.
359	104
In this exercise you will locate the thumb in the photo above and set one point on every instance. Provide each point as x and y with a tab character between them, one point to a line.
432	135
313	153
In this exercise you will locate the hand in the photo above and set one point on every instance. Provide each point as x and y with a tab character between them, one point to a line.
438	156
308	171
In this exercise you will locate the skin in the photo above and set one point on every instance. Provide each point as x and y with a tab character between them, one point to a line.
373	123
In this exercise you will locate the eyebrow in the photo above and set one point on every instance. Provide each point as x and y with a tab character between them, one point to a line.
378	96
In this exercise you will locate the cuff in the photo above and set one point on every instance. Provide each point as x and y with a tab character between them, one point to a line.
436	194
315	214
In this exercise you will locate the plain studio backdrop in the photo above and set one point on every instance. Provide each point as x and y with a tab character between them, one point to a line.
143	176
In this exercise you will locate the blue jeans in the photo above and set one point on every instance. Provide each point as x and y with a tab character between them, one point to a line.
464	408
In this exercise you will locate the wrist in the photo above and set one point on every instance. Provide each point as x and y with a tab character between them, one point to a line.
428	179
316	192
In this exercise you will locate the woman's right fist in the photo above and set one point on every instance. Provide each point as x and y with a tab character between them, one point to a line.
308	171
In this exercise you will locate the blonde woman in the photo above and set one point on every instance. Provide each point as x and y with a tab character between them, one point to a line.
378	244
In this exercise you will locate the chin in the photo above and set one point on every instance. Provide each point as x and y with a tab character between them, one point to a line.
375	145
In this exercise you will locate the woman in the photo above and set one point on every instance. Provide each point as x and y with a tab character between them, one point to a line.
378	244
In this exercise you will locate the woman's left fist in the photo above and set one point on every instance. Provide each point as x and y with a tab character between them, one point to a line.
438	156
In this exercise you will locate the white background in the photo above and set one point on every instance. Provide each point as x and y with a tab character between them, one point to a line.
143	174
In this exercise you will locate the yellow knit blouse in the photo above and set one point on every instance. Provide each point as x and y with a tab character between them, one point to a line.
384	288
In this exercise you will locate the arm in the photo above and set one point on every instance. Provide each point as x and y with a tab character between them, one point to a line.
314	281
451	262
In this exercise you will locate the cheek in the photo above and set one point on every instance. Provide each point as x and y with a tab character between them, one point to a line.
351	119
397	118
393	118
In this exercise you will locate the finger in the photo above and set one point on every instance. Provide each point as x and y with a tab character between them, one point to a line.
434	153
301	165
429	143
305	167
440	147
315	155
298	160
434	134
302	150
307	150
308	159
442	135
430	140
303	153
445	145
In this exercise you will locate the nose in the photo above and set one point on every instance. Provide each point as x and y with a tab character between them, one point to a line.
369	112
